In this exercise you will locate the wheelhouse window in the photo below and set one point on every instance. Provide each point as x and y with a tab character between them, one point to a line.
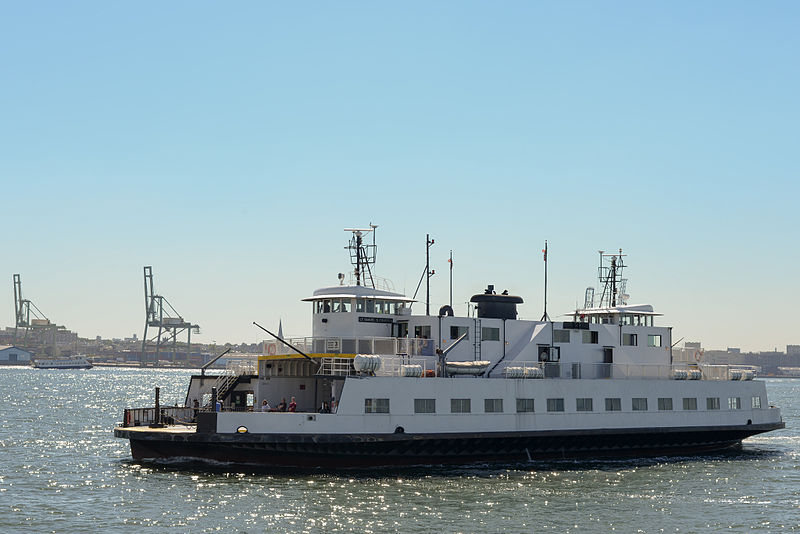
490	334
360	306
376	405
460	406
755	402
712	403
613	405
639	404
689	403
734	403
370	306
589	336
493	405
424	405
555	405
629	340
458	331
524	405
560	336
664	404
653	340
583	404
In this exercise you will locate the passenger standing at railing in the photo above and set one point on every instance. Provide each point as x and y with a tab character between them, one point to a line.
282	405
265	407
293	405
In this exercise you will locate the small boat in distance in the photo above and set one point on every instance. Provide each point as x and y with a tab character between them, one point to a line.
78	361
376	385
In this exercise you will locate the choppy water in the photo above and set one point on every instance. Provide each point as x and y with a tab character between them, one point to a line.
61	470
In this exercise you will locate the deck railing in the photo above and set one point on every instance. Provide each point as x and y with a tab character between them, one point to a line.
147	416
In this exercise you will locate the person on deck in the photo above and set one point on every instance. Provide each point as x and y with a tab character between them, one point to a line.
293	405
282	405
265	407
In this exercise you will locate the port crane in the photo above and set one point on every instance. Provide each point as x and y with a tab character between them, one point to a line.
33	322
162	315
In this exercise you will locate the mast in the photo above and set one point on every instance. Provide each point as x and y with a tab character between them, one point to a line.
362	256
428	273
545	317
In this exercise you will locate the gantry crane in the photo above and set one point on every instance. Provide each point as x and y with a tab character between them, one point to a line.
39	323
160	313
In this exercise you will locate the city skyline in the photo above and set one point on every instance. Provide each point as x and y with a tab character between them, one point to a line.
229	148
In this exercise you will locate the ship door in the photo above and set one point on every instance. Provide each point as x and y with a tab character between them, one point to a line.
608	361
401	329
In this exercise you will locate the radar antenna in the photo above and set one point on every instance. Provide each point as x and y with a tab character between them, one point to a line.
610	275
362	255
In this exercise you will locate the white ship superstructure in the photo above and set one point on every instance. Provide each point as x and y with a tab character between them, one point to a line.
398	388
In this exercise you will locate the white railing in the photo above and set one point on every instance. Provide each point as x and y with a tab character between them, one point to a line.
679	371
356	345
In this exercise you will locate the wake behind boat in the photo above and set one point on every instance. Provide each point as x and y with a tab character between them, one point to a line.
377	385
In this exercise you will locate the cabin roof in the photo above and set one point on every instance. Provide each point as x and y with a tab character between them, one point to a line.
356	292
627	309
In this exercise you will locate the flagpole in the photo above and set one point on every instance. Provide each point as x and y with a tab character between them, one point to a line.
451	279
544	251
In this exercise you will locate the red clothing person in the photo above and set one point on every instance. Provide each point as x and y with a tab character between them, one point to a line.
293	405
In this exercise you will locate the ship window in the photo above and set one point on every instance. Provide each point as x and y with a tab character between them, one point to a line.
653	340
712	403
734	403
493	405
326	306
370	308
560	336
422	331
318	306
490	334
424	405
555	405
458	331
590	336
583	404
346	305
376	405
360	305
664	403
639	404
689	403
629	340
613	405
336	305
756	403
526	405
460	406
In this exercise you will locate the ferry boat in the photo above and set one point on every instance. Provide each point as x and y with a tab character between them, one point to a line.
378	385
78	361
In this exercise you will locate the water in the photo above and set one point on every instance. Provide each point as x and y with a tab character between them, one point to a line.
63	471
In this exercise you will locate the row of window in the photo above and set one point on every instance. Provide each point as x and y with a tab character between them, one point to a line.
586	404
590	336
362	306
487	333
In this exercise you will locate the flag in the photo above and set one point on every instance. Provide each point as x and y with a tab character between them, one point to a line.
544	252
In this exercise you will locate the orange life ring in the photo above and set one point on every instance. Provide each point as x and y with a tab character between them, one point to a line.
271	349
127	417
697	355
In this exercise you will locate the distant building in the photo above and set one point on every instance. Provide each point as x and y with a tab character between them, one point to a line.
792	349
693	345
11	355
734	350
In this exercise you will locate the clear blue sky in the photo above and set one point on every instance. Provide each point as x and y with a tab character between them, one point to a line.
228	145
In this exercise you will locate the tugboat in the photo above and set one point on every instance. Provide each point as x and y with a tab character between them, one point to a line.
376	385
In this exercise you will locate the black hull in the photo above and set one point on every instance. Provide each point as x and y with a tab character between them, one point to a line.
352	451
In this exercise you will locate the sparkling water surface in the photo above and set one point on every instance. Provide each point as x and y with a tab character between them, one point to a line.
61	470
